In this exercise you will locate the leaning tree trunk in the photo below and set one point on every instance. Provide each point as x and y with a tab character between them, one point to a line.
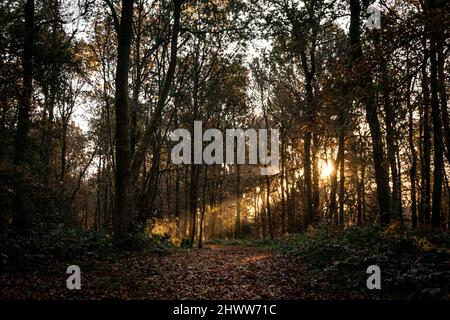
150	129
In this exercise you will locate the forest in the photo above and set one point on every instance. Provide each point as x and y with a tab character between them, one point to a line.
94	94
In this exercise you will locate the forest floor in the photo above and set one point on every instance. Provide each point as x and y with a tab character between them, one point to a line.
214	272
321	264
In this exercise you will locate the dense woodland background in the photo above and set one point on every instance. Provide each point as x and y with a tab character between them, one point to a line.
92	89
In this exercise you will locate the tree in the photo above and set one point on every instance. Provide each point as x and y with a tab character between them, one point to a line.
124	209
20	219
437	124
365	80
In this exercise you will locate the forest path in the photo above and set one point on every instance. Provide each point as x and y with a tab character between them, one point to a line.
229	272
215	272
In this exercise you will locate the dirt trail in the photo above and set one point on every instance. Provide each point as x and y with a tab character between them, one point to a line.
217	272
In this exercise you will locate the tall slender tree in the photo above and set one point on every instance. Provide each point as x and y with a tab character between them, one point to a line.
23	122
365	80
124	209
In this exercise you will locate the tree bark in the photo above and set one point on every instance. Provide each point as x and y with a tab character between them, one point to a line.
164	93
308	182
316	176
202	214
437	135
20	220
413	169
309	73
193	201
269	212
27	89
283	185
381	174
391	145
238	201
124	190
341	179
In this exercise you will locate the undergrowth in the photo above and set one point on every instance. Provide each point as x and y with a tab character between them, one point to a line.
414	264
239	242
51	244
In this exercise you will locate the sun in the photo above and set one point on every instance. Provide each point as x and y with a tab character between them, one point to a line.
326	170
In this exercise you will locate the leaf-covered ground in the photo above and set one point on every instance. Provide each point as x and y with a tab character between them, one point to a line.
321	264
216	272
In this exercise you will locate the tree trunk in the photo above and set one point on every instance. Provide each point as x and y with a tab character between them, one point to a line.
332	208
177	205
425	198
308	183
186	203
238	201
47	135
437	136
202	214
443	94
363	191
269	212
124	190
137	80
193	201
27	90
391	145
358	200
413	169
316	175
381	175
283	185
309	73
164	93
21	215
263	212
341	179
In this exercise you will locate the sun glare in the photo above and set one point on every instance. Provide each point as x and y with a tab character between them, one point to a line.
327	169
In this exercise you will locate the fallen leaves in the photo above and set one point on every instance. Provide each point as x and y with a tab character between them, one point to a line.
210	273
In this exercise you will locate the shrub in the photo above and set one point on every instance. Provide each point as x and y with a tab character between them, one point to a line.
413	263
